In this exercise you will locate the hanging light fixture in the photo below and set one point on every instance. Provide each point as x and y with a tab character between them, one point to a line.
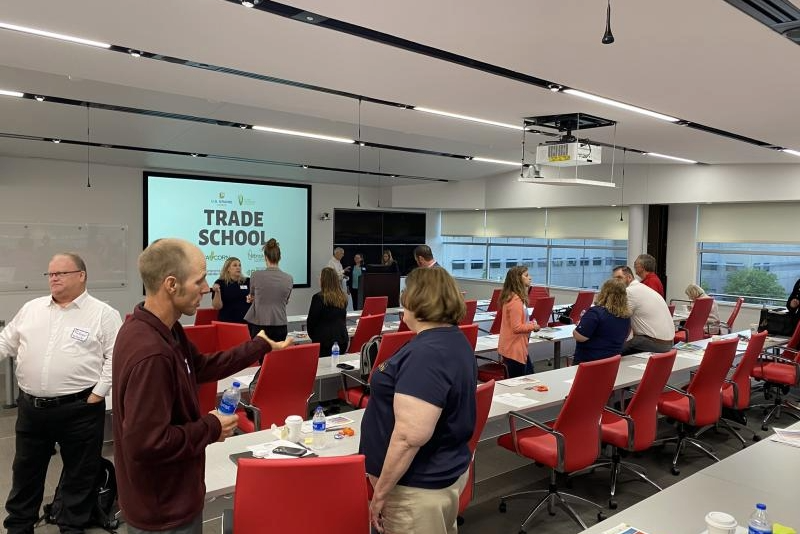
360	144
88	144
608	37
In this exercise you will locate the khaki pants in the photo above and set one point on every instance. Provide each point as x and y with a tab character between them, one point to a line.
423	511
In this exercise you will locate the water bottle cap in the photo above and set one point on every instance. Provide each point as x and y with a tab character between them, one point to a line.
236	384
319	409
761	506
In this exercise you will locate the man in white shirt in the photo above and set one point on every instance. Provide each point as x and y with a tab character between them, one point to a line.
335	263
651	323
63	344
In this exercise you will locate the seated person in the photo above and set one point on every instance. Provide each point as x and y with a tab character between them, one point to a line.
602	330
694	292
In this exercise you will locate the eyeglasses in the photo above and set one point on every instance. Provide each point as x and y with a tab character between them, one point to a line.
60	274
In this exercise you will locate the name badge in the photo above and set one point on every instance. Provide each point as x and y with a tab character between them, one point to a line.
243	286
79	334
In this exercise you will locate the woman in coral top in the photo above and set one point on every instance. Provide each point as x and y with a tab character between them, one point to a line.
515	328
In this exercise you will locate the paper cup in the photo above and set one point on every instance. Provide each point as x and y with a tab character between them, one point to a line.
754	328
293	424
720	523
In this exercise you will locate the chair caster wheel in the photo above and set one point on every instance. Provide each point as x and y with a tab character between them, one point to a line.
601	516
765	428
502	507
675	471
612	504
756	437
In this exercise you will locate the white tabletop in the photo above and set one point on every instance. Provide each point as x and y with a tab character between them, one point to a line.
221	471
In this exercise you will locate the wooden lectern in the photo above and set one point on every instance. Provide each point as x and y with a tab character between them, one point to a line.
379	285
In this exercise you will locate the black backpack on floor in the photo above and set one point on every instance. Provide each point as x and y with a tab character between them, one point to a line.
104	508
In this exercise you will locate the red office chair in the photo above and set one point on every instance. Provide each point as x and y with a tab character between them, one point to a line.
736	391
498	320
701	403
537	292
357	396
483	402
542	310
695	326
728	325
403	326
779	373
266	498
285	384
492	369
571	443
494	302
470	331
205	316
368	326
635	429
469	317
374	306
204	338
230	335
583	302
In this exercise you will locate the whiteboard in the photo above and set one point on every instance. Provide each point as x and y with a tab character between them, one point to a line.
26	249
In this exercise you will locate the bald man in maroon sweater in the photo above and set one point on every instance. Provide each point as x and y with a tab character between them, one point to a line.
160	435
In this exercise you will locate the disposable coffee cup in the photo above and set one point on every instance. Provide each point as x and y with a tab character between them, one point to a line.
754	328
720	523
293	424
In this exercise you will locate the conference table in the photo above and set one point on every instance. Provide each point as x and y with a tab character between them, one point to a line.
351	315
764	472
517	394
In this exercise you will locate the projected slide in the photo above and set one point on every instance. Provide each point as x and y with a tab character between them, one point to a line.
231	217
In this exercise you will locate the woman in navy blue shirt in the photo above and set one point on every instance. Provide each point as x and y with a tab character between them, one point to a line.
230	292
421	414
604	327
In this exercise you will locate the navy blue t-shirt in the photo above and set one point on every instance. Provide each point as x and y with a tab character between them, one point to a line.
234	300
606	334
438	367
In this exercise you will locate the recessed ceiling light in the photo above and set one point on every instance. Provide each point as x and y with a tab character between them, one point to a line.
243	126
3	92
554	87
52	35
674	158
792	152
135	53
304	134
305	166
56	141
466	118
621	105
250	3
310	18
499	161
362	144
194	155
39	98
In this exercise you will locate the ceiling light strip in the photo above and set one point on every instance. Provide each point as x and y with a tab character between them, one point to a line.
168	152
309	135
674	158
498	161
4	92
52	35
792	152
468	118
621	105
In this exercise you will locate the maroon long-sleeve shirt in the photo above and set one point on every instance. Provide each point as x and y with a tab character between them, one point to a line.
160	435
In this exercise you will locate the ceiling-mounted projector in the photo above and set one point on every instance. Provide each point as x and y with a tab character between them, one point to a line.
568	154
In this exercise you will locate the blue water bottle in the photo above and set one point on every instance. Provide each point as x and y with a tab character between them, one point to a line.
335	354
759	522
318	428
230	399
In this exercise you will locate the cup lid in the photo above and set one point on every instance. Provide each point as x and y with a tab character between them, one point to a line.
721	520
294	418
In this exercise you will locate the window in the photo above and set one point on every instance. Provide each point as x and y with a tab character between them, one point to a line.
763	273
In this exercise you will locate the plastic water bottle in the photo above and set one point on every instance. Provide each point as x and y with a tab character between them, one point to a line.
759	522
335	354
230	399
318	427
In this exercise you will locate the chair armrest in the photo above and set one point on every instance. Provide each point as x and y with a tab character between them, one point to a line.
628	420
614	411
253	412
486	358
735	387
345	377
541	426
723	324
227	521
683	329
688	396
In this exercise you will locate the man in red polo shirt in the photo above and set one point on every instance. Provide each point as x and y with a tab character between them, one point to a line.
645	267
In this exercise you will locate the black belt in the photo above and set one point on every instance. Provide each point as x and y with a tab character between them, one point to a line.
52	402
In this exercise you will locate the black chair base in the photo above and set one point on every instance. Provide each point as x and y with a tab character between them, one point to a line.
681	440
775	410
732	427
615	464
552	497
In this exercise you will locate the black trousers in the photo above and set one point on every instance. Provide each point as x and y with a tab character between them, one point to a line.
77	427
275	333
354	294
